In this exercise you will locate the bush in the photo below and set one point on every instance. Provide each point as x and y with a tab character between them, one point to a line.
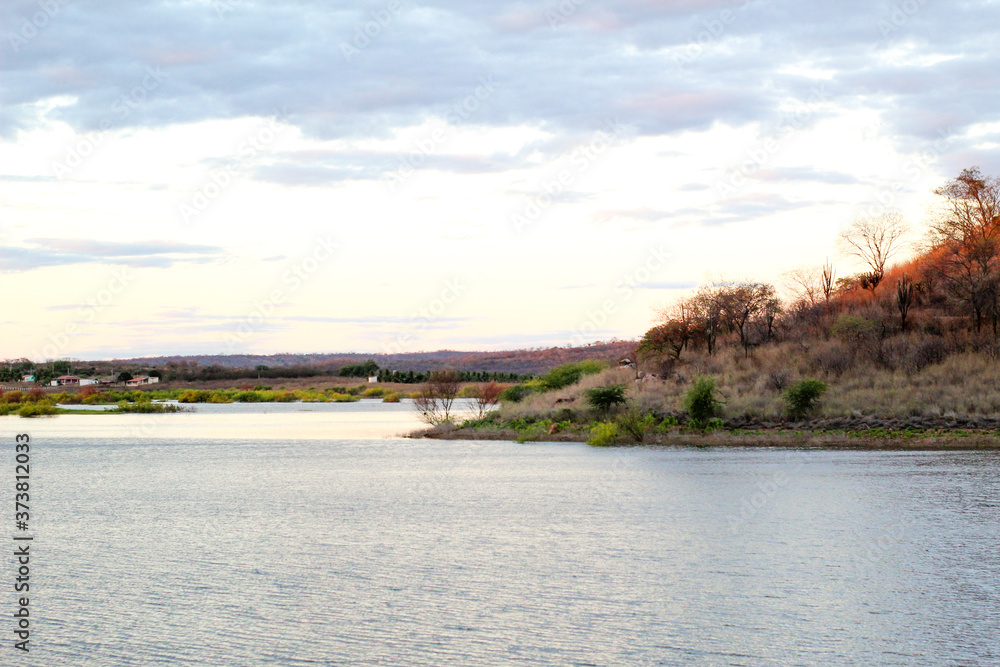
567	374
37	410
603	434
373	392
247	397
195	396
516	393
390	397
701	402
802	398
603	399
285	397
13	397
636	424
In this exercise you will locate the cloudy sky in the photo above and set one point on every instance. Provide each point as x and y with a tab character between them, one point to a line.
228	176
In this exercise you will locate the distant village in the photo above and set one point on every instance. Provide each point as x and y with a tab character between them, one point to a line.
76	381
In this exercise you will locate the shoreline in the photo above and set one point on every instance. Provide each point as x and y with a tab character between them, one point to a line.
931	440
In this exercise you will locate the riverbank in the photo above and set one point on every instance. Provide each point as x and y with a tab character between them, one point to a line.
868	439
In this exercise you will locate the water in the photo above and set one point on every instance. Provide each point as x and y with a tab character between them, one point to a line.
319	549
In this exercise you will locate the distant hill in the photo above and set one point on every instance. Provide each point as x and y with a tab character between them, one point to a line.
523	362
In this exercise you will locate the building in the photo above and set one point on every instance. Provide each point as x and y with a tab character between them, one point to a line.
65	380
28	378
140	380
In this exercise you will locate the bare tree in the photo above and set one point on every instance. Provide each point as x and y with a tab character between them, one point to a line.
487	397
438	396
875	241
807	283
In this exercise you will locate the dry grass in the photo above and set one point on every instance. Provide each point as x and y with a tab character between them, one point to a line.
964	384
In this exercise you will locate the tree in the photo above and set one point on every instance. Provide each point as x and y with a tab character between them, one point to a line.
807	283
965	236
437	397
487	397
124	376
62	367
874	240
603	399
743	302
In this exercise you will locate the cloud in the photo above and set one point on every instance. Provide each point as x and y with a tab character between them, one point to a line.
665	67
48	252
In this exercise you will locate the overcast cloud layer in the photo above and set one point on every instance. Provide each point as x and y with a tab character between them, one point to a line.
535	81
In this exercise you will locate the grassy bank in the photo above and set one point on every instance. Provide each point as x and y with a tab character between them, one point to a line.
732	399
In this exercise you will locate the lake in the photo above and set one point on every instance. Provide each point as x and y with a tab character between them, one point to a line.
309	535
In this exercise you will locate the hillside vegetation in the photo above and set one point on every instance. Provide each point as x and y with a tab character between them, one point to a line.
911	345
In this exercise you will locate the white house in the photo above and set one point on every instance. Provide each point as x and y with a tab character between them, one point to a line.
141	379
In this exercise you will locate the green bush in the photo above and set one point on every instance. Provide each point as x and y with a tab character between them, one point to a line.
603	434
516	393
603	399
37	410
668	424
247	397
567	374
373	392
636	424
702	403
390	397
802	398
195	396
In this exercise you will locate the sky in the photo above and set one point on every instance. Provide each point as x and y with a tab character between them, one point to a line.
230	176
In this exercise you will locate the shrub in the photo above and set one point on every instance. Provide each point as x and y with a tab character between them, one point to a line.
603	399
36	395
13	397
373	392
285	397
37	410
802	398
390	397
777	380
567	374
668	424
195	396
701	402
516	393
247	397
603	434
636	424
